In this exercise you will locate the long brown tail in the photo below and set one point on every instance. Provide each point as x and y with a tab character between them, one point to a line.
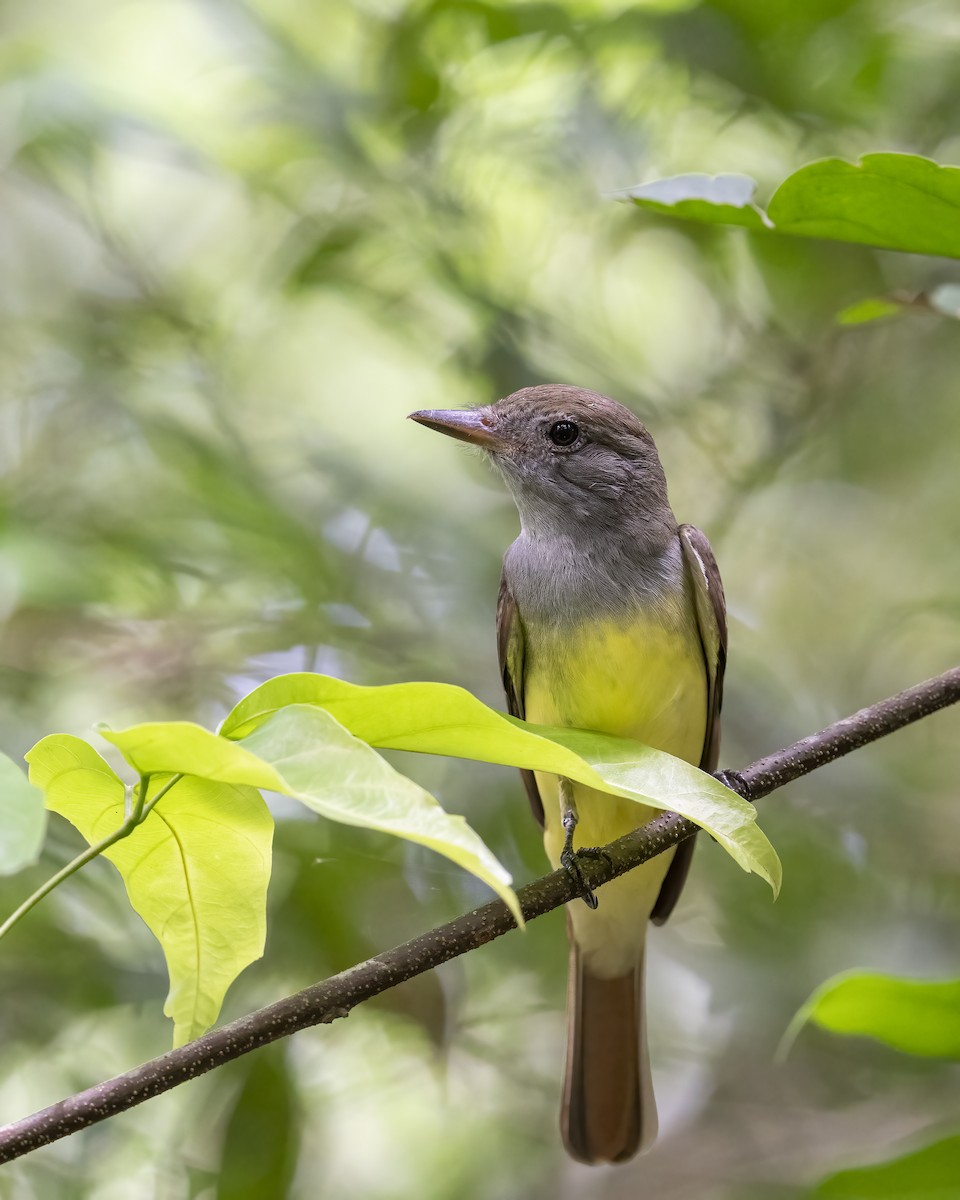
608	1111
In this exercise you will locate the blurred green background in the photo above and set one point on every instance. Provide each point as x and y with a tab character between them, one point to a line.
238	244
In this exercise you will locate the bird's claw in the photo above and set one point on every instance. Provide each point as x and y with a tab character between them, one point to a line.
569	861
732	780
569	858
594	852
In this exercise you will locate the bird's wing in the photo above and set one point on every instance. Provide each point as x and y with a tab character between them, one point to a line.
510	651
711	608
711	612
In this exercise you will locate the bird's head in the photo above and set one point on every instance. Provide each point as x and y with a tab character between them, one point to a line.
570	457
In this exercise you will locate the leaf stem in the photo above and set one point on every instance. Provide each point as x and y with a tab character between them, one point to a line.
140	811
155	800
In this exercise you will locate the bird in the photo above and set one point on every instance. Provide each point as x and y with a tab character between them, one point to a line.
610	617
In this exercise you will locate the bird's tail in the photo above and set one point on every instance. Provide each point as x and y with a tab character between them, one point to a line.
608	1110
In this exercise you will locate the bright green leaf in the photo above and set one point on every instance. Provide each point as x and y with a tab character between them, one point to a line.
304	752
175	747
196	870
928	1174
435	718
340	777
892	201
895	201
914	1015
69	771
23	819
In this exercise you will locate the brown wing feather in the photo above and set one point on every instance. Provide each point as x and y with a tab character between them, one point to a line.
711	610
712	622
510	652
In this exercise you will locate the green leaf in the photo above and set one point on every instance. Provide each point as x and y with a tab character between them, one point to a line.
943	299
892	201
875	308
435	718
927	1174
23	819
895	201
914	1015
261	1134
712	199
196	870
304	752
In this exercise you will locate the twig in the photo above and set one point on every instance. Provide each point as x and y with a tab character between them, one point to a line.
138	813
335	997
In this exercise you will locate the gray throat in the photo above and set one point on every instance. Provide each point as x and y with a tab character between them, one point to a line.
560	580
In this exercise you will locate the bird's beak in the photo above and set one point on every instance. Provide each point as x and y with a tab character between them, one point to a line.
473	425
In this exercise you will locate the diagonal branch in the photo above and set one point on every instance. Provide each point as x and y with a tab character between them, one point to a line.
335	997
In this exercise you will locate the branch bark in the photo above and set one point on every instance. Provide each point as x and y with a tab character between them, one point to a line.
335	997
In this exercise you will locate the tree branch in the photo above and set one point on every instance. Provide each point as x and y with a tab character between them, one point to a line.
335	997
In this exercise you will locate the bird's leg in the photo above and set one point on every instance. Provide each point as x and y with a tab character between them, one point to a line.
568	856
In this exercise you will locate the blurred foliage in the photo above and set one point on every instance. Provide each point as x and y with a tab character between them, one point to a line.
917	1017
892	201
927	1174
913	1015
239	242
23	818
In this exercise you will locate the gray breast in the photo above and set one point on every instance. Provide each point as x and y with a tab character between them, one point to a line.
559	581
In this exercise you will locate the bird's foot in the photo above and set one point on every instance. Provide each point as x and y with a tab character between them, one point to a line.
732	780
594	852
569	860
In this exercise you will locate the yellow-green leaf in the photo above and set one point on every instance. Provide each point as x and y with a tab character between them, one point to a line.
304	752
435	718
917	1016
196	870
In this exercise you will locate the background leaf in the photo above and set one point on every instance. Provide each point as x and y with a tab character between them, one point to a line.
262	1135
917	1016
436	718
302	751
873	308
713	199
196	869
23	819
894	201
927	1174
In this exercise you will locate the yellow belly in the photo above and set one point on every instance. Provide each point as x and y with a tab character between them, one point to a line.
644	681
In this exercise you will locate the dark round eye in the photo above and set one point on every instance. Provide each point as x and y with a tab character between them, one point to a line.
564	433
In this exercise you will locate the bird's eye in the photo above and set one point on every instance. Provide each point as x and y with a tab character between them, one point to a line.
564	433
